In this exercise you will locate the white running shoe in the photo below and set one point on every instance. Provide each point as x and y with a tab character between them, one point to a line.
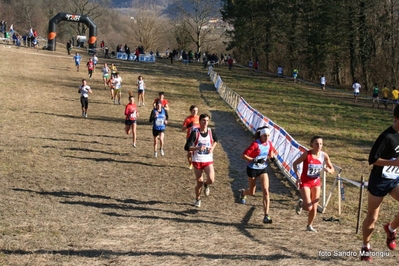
311	229
155	154
197	203
298	207
207	190
134	145
162	152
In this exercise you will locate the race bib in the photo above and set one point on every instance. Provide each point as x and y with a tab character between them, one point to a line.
133	115
390	172
203	152
314	170
159	122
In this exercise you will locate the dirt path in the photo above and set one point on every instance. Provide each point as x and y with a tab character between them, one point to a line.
76	193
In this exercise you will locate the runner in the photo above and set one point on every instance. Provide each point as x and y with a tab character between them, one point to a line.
95	61
165	103
106	73
159	119
295	74
256	156
111	85
90	67
131	114
202	143
385	94
395	97
113	70
191	123
140	90
323	83
77	59
117	84
314	162
84	91
356	90
383	180
376	92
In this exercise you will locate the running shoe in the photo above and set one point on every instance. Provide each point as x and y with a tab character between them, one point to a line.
298	207
114	101
243	198
119	102
143	104
267	219
207	190
310	229
197	203
155	154
365	254
391	243
83	113
134	145
162	152
191	166
139	104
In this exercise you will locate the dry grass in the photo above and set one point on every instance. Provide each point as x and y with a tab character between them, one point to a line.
74	191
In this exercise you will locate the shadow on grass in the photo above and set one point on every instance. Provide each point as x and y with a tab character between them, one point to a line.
98	118
93	253
62	194
96	151
113	160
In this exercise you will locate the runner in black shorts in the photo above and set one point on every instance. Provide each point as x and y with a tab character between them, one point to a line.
384	180
256	156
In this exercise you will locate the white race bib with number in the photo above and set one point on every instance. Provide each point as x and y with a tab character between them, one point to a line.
314	170
159	122
390	172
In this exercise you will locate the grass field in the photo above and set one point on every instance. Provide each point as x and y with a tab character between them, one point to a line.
76	193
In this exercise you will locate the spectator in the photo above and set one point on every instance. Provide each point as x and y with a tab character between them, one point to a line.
230	62
69	47
280	71
127	51
102	46
106	52
137	54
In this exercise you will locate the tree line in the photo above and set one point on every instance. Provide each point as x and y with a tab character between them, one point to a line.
346	40
181	25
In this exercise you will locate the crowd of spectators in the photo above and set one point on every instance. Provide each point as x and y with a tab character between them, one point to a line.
30	38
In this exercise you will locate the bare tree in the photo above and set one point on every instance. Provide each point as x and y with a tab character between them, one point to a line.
27	8
149	29
92	8
195	15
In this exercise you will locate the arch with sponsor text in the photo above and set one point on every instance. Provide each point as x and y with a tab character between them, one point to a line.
52	34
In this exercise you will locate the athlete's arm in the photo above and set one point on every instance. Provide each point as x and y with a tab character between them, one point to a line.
330	168
190	141
152	116
295	164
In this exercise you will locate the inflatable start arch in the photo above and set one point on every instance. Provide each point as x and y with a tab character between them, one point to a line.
71	18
